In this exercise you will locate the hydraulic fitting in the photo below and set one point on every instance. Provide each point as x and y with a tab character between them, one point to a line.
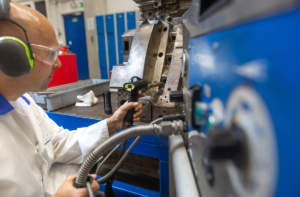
170	128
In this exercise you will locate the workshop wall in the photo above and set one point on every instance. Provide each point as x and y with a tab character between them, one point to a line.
114	6
57	9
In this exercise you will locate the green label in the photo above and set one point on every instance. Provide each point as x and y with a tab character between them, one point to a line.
74	20
81	4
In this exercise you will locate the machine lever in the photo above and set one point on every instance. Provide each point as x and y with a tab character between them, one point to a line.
133	88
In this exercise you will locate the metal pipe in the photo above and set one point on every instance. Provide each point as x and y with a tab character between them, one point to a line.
182	171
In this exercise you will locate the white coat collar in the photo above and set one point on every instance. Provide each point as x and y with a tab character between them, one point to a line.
6	107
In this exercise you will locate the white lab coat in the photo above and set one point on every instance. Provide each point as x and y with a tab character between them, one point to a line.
30	143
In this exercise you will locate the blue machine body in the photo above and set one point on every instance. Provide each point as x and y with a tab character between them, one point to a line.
101	47
273	42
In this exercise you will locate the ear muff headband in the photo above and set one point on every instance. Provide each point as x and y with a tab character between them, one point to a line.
16	58
25	46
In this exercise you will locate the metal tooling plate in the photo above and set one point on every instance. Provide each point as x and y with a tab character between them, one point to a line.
122	95
147	112
137	58
162	49
175	68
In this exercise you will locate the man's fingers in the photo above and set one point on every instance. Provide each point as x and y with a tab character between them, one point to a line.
95	186
94	176
128	106
71	177
136	119
137	114
139	107
142	95
82	191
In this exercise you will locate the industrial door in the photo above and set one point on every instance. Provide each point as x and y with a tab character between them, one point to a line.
76	40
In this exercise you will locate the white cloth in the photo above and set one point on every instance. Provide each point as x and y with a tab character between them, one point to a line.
30	143
88	99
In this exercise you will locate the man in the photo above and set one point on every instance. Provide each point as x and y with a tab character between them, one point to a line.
30	142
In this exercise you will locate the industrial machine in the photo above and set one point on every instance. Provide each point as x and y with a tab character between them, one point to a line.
153	52
240	66
234	67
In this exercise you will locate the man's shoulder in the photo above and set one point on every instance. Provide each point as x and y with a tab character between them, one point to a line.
38	111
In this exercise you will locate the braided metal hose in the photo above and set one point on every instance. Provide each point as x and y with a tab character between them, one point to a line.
109	144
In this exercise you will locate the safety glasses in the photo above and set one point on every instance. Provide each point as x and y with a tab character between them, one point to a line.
45	54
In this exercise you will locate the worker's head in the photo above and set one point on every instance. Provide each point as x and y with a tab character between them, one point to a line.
40	32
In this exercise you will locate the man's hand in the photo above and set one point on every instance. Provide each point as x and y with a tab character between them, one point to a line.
68	190
117	120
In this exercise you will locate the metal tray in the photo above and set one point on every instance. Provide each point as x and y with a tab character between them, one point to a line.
62	96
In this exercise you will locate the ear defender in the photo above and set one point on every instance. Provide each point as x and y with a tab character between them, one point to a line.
15	57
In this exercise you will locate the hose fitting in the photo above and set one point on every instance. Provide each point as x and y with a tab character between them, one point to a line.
170	128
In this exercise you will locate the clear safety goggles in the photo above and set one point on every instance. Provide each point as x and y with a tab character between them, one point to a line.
45	54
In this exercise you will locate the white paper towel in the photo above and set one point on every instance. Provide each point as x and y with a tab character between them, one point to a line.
88	99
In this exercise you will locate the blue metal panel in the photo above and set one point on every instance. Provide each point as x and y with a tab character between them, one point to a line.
131	20
153	139
71	122
101	47
149	150
110	32
126	190
164	178
120	31
275	41
75	38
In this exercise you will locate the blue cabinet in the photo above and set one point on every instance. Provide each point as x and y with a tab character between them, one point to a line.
111	44
101	47
120	31
131	20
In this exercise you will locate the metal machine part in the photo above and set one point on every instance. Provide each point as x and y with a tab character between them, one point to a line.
240	158
259	176
162	9
154	52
